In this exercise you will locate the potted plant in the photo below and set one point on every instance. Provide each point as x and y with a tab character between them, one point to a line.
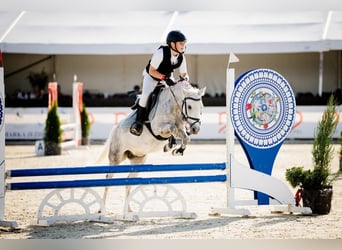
53	132
85	126
315	185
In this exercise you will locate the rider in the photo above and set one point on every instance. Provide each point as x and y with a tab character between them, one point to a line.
160	68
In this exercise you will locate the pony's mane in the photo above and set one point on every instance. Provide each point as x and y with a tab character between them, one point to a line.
187	87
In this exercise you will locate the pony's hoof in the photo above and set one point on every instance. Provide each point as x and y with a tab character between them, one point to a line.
166	148
178	152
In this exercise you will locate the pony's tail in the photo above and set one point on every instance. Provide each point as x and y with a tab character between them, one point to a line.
104	151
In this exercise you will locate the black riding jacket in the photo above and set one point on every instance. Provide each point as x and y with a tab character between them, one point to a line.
165	67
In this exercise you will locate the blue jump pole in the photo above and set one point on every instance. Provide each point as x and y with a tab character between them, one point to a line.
113	182
114	169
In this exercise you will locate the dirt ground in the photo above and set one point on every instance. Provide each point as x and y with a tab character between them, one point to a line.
22	206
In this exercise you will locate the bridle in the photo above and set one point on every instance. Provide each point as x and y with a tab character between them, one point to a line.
184	109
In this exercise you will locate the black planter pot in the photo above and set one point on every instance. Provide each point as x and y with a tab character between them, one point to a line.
85	141
52	148
318	200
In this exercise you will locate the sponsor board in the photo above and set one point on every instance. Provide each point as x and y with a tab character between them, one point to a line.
28	123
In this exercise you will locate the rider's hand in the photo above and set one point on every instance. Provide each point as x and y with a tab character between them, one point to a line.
181	78
169	81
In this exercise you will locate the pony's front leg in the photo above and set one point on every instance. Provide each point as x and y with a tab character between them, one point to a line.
185	140
179	151
167	129
171	144
170	131
178	131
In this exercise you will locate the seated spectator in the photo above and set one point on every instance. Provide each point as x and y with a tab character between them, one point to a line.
135	92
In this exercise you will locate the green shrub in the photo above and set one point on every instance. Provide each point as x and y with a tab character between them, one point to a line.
322	153
53	132
85	122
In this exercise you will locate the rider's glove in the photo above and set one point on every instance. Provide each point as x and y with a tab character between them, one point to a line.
169	81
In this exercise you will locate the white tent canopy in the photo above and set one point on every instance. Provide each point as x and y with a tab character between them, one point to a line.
219	30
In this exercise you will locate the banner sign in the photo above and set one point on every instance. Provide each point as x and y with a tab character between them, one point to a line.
28	123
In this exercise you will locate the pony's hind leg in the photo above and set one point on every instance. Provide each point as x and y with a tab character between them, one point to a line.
133	160
115	158
128	189
105	193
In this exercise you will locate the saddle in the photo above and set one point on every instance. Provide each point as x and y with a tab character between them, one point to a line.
152	103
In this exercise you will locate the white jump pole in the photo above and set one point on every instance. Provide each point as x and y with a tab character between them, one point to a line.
230	197
77	107
2	151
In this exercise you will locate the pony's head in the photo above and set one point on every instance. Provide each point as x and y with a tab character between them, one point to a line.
192	107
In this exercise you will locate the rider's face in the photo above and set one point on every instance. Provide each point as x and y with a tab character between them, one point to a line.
180	46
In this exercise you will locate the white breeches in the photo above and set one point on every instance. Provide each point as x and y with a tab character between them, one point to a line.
148	86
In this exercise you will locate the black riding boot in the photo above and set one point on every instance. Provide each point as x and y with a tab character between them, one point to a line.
137	126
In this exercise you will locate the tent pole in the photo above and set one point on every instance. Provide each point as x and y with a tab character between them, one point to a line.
339	68
320	74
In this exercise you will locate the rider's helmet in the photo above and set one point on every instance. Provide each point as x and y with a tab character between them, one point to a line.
175	36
